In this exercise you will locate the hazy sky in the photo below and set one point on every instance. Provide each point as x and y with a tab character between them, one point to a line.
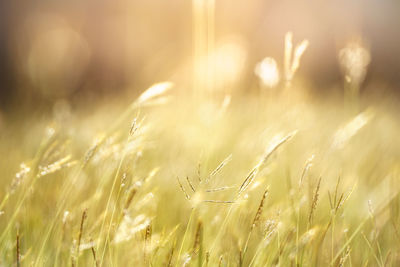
114	44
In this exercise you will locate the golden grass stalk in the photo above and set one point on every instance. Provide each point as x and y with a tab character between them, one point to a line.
170	254
96	263
156	90
292	59
183	189
190	184
314	201
225	104
255	221
306	169
344	257
219	201
83	218
131	194
147	242
198	239
259	210
219	167
56	166
351	128
270	150
223	188
18	249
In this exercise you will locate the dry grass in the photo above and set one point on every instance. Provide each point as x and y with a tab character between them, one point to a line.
116	184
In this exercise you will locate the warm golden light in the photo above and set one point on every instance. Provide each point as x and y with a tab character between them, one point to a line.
199	133
267	71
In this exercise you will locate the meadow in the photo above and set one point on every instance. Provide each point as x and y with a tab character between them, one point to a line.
275	177
259	181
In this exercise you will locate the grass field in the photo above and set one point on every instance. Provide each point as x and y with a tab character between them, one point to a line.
262	181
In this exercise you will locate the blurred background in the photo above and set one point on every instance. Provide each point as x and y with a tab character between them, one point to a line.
88	50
